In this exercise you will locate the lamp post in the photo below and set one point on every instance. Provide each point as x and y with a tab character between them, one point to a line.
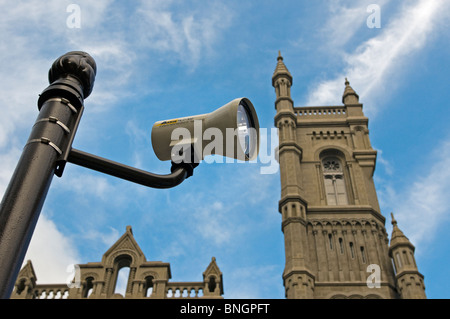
46	152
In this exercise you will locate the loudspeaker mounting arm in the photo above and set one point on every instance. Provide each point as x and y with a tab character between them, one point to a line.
179	172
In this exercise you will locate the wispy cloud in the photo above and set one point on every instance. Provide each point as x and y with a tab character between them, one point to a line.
213	223
387	165
422	207
29	31
346	19
224	215
189	36
374	69
108	237
26	28
377	63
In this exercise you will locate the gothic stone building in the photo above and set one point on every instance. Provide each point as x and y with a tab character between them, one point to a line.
333	230
336	245
146	279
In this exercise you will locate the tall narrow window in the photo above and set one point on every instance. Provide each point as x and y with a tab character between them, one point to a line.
341	245
148	290
330	241
412	258
120	275
352	250
399	260
334	182
122	281
363	255
405	258
395	266
212	284
89	287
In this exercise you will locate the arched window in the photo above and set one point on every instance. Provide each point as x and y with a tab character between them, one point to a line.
89	287
122	273
341	245
148	291
21	286
122	280
334	181
405	258
399	260
412	258
212	284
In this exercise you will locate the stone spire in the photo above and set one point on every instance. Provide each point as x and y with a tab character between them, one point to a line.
349	96
281	70
397	237
409	280
282	82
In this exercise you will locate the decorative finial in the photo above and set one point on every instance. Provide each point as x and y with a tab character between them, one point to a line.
74	72
78	64
129	229
279	56
394	222
347	82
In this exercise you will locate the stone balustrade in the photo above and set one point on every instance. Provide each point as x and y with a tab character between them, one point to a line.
320	111
185	289
56	291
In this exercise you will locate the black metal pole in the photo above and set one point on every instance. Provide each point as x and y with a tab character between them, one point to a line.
60	106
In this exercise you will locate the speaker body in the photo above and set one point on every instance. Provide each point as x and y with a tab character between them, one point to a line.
232	130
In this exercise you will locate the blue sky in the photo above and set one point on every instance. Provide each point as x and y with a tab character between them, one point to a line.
158	60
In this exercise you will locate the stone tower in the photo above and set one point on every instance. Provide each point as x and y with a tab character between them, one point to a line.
336	245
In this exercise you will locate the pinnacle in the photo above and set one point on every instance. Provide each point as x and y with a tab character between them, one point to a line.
348	91
397	235
393	221
281	69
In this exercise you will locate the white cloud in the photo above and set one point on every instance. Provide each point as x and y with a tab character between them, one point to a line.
226	211
387	166
215	224
51	252
19	94
107	238
345	21
84	184
423	208
190	35
377	63
26	28
138	137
